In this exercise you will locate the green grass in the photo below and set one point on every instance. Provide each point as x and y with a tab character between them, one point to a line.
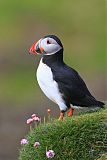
83	137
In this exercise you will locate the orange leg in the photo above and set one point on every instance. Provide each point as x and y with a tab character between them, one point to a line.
70	112
61	115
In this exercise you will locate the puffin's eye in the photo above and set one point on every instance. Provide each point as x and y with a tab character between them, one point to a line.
48	42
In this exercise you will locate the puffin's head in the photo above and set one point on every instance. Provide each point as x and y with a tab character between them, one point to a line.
48	45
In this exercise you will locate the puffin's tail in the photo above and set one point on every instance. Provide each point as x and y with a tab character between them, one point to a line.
90	101
95	103
100	104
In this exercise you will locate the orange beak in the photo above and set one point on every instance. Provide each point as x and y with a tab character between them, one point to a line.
35	49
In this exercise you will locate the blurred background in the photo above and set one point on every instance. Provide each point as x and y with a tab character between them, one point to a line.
81	27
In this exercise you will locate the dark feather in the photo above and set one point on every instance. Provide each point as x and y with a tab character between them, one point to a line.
72	87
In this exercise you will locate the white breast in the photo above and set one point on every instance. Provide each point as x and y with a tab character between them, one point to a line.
49	85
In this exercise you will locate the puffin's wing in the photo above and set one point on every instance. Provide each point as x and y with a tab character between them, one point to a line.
73	88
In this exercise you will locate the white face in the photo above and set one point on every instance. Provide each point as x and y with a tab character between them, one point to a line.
49	45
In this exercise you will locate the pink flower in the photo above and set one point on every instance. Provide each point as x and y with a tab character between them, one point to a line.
36	144
50	154
29	121
49	111
37	119
24	142
33	115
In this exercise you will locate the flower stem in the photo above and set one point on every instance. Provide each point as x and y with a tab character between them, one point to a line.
30	128
44	120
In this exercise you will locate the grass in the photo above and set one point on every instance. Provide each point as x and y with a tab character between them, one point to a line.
83	137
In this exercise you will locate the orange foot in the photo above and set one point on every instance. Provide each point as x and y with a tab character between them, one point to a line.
61	115
70	112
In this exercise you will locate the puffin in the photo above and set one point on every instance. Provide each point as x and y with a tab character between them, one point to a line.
59	82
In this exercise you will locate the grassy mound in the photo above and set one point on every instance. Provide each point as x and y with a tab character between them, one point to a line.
83	137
